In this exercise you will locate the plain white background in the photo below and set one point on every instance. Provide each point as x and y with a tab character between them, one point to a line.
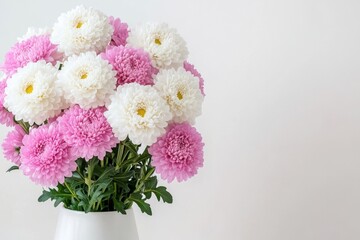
280	120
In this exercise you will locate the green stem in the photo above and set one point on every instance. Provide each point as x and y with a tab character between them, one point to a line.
119	156
73	194
88	180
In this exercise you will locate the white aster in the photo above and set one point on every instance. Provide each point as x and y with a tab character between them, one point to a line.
181	91
33	94
165	46
138	112
34	32
82	29
87	80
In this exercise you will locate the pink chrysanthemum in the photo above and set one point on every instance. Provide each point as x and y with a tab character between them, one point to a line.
45	157
178	153
32	49
6	117
190	68
120	34
12	144
131	65
88	132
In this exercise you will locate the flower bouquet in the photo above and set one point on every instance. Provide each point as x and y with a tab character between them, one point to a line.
97	109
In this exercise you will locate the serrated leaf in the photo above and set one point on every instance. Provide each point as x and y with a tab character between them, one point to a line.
58	201
151	183
119	206
144	207
44	196
161	192
13	168
147	195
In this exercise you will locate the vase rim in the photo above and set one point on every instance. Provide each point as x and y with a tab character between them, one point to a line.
93	213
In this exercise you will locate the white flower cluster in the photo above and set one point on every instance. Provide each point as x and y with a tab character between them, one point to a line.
82	29
42	90
33	94
88	80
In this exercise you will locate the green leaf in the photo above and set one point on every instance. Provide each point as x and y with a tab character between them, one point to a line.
124	176
147	195
58	201
144	207
44	196
131	147
13	168
161	192
151	183
119	206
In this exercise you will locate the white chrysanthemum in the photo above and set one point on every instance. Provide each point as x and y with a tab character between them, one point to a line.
165	46
34	32
81	30
181	91
87	80
33	94
138	112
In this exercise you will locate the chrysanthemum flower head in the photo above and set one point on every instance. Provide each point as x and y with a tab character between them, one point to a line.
165	46
181	91
131	65
190	68
87	80
82	29
138	112
34	32
33	49
46	158
121	32
178	153
87	131
12	144
33	94
6	117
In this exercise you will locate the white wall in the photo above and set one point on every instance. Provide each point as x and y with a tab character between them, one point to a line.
280	120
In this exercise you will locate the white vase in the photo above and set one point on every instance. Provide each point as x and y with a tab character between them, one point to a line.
74	225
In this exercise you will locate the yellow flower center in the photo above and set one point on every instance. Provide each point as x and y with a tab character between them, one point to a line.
179	95
79	24
157	41
141	112
84	75
29	89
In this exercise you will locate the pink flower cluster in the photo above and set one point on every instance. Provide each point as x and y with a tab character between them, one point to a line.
121	32
6	117
13	143
32	49
131	65
190	68
179	153
87	131
46	158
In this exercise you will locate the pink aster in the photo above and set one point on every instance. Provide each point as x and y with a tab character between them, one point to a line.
32	49
190	68
6	117
120	34
88	132
178	153
45	157
131	65
12	144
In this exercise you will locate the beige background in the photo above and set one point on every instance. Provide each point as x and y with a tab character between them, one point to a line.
280	121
